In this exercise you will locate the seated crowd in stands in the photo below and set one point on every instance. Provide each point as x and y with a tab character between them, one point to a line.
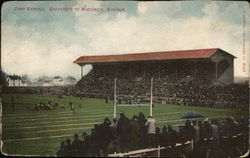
126	134
138	90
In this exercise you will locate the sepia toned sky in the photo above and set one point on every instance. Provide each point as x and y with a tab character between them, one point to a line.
47	42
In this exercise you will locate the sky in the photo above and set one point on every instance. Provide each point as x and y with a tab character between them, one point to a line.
45	43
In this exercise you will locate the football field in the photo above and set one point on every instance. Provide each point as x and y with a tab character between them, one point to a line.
29	132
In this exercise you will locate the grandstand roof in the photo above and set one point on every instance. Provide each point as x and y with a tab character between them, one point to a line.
151	56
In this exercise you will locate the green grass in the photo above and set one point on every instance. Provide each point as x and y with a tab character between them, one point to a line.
29	132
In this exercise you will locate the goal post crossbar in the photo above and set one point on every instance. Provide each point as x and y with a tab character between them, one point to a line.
132	105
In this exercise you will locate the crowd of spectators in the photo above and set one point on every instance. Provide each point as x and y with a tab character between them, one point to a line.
166	90
50	90
139	132
183	93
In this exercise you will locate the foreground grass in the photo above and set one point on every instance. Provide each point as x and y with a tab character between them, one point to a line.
29	132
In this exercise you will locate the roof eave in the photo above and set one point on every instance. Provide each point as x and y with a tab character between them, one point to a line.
82	63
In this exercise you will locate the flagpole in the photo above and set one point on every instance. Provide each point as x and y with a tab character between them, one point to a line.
151	98
115	99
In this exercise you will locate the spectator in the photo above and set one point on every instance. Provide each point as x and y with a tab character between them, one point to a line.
114	127
75	145
189	130
142	129
123	131
94	147
84	145
150	124
68	148
159	138
207	130
105	135
200	124
134	132
171	136
101	139
214	130
197	131
61	151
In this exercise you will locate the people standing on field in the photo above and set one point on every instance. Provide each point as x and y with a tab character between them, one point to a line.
71	105
49	106
106	99
62	106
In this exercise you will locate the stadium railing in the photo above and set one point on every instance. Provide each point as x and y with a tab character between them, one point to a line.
177	150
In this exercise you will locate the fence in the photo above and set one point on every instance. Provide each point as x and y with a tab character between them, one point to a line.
177	150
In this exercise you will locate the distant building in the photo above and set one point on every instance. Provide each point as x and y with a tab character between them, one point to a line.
47	83
15	80
56	81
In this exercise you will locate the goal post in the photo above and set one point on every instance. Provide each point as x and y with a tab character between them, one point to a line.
150	104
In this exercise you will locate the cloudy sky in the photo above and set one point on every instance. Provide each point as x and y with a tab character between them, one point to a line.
47	42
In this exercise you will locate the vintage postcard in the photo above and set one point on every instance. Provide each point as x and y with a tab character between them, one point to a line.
125	78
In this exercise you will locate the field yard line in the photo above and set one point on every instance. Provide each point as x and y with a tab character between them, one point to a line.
13	115
54	113
187	119
31	127
36	138
74	116
61	129
49	122
48	116
37	116
65	129
177	120
172	113
71	121
168	117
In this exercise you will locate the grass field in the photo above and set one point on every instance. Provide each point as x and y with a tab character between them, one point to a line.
29	132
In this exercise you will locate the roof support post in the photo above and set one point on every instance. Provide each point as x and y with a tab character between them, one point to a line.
116	70
94	69
81	72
